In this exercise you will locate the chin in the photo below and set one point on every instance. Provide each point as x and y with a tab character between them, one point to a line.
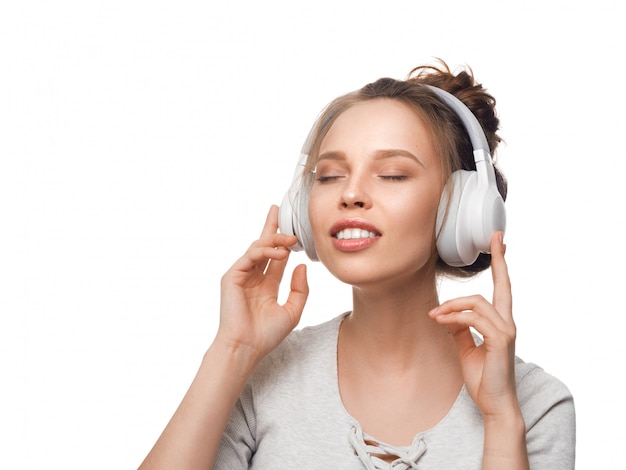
364	273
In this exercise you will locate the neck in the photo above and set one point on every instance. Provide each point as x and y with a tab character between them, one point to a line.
390	325
395	364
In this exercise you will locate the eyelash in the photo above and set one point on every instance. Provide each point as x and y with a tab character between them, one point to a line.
326	179
393	177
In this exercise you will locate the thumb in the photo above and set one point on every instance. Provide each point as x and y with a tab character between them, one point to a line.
464	340
298	294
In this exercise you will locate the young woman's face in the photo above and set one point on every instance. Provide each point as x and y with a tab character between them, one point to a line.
373	204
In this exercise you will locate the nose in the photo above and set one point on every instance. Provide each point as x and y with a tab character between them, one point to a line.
355	203
355	195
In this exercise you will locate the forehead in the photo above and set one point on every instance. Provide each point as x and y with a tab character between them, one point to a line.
378	124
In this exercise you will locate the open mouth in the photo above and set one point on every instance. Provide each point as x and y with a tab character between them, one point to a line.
355	233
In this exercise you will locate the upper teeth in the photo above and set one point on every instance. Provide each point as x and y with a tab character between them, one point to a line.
350	233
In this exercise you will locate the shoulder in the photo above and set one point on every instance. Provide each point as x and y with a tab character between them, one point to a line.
301	349
311	337
537	390
548	409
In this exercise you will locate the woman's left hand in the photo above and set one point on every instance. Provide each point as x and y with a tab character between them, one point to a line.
488	369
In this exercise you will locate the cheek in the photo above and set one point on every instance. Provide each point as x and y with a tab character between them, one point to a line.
419	205
417	219
320	218
316	212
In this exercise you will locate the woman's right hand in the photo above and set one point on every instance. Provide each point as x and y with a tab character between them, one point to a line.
251	320
252	323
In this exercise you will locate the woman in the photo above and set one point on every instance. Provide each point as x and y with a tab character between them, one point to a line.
400	381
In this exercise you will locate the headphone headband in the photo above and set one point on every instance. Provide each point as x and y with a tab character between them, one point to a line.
473	127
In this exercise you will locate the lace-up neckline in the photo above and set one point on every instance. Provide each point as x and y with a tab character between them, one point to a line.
376	454
371	452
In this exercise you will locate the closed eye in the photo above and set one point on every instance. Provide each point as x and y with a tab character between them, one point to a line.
327	179
393	177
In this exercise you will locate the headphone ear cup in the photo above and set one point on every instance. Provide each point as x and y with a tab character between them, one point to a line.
492	219
285	220
454	225
469	214
293	216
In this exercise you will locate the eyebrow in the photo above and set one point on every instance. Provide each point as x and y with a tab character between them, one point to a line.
389	153
379	155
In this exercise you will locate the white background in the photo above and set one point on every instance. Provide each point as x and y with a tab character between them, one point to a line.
142	142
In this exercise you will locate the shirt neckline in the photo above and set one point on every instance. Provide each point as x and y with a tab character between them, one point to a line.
355	422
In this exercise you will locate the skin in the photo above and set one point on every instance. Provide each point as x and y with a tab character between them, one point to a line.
376	162
399	346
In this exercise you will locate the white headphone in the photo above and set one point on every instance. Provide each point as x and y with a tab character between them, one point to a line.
470	211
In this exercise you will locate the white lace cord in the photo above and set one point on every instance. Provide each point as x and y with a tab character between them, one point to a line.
358	444
404	460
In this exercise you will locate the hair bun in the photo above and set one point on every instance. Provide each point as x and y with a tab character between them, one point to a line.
464	86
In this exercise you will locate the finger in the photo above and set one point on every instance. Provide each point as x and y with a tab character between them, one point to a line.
460	320
276	266
464	340
475	312
298	294
277	242
474	306
496	337
271	222
257	257
502	297
274	241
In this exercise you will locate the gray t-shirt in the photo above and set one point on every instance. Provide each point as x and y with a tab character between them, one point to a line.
290	415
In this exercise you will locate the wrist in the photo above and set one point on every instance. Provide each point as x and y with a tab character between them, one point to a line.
505	441
508	423
508	413
511	424
234	355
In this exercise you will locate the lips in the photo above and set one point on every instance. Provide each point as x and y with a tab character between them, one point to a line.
354	234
